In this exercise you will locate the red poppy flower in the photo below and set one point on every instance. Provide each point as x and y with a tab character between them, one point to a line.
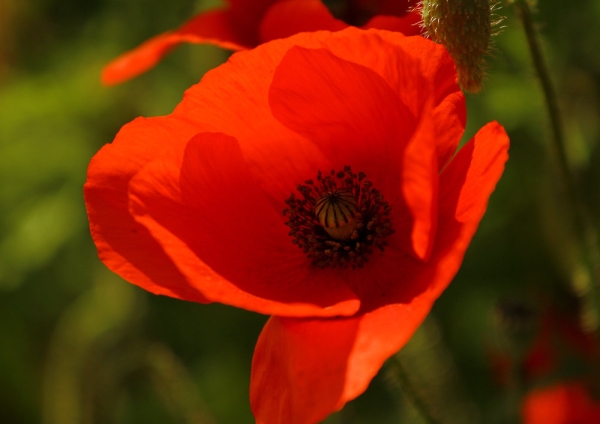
565	403
191	205
560	337
558	340
247	23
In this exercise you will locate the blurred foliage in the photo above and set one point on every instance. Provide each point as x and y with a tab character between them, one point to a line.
79	345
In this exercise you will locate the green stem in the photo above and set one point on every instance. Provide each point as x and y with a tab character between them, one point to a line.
549	93
400	376
585	231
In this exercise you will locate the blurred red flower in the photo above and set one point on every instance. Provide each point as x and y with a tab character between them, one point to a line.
247	23
558	340
191	205
565	403
558	344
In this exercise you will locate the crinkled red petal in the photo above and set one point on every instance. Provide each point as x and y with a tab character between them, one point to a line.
280	158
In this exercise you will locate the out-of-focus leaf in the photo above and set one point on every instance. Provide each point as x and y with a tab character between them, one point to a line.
42	228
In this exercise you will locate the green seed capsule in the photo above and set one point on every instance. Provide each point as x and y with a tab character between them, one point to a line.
336	211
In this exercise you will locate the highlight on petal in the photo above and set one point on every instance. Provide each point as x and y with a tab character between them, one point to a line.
219	230
303	370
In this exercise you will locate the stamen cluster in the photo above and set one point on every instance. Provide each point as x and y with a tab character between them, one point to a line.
372	220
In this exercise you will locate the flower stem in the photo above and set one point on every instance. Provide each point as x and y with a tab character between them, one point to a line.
549	93
585	231
401	377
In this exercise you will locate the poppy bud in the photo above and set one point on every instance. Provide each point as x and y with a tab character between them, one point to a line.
464	27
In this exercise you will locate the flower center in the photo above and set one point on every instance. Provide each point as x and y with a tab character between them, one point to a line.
336	211
339	219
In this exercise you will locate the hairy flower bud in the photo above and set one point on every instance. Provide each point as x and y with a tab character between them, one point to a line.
464	27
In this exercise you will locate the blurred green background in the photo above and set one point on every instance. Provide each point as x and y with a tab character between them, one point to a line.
79	345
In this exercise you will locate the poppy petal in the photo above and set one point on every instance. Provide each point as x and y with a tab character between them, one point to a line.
289	17
214	27
125	246
411	64
410	24
464	189
337	105
420	186
281	149
333	96
279	158
249	72
209	103
450	114
450	118
303	370
218	228
470	178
